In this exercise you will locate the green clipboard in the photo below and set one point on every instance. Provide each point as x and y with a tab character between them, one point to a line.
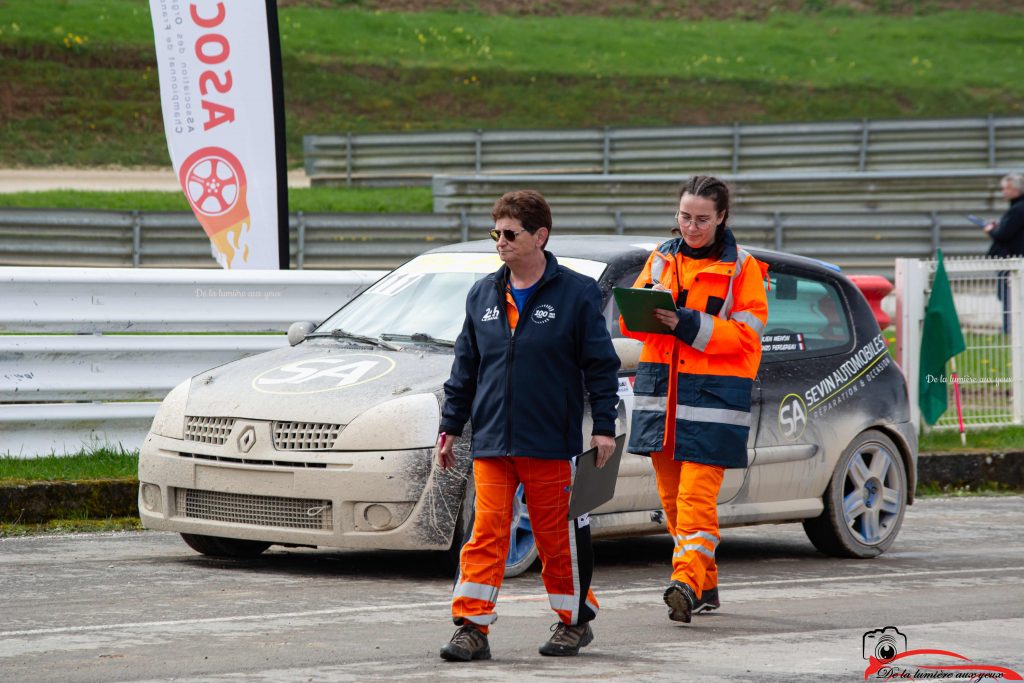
637	307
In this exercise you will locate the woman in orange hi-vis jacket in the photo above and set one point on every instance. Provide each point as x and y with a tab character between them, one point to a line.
693	384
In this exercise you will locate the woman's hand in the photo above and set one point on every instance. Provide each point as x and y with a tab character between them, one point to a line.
444	451
605	446
667	318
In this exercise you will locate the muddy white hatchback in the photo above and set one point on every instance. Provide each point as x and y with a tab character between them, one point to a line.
328	442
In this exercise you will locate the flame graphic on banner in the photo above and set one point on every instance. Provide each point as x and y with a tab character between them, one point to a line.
214	183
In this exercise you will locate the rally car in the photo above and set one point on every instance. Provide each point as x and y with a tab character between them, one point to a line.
328	442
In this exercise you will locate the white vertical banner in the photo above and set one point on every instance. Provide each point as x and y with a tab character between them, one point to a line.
220	91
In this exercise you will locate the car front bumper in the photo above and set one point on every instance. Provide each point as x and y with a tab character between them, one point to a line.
370	499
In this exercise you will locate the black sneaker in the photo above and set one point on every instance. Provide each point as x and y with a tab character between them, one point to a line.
680	599
566	640
708	601
467	644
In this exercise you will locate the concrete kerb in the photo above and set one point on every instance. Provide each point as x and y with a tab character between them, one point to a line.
1005	469
41	502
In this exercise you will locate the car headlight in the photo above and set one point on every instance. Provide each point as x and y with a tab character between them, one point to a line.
399	424
170	417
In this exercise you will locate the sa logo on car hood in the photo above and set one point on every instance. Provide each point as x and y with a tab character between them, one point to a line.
315	383
327	373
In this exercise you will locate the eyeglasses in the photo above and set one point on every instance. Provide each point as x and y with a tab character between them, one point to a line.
509	235
701	222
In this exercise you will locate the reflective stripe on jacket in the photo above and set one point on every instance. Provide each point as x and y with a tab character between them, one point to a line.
701	410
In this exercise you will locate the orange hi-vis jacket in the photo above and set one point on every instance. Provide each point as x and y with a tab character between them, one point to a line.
693	386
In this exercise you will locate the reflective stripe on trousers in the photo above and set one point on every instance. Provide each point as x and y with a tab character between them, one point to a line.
563	544
688	491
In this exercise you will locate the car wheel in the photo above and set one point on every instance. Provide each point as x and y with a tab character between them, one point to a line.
864	502
522	549
216	546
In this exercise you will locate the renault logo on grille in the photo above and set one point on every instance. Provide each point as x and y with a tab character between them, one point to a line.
247	439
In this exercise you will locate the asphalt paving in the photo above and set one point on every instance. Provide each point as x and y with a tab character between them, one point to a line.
142	606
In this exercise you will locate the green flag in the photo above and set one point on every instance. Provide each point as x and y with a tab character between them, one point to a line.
941	339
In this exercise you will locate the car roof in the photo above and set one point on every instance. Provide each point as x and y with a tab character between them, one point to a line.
608	248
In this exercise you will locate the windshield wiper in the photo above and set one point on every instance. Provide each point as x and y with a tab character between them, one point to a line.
417	337
342	334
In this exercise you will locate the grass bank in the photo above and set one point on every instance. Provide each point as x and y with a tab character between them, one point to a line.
80	84
70	526
948	441
309	200
90	465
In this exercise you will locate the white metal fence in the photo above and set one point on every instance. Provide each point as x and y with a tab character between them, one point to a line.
991	369
413	158
86	353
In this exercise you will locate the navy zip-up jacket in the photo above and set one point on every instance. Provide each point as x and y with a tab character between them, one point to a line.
523	389
1008	235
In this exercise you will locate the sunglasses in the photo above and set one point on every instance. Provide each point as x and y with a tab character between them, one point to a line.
509	235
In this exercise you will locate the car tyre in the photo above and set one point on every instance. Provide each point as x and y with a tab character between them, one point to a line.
522	547
215	546
864	502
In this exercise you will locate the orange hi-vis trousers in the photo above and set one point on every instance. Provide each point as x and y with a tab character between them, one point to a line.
688	492
563	544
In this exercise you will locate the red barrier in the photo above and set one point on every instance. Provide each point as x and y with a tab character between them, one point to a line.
874	288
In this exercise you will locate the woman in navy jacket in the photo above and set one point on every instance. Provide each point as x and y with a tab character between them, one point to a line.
533	338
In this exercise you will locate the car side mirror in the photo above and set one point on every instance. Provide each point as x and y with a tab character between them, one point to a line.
628	351
298	331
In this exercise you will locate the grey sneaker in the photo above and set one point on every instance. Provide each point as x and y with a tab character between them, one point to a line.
708	601
566	640
680	599
467	644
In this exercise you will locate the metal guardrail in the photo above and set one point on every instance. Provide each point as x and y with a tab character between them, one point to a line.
48	237
868	191
86	353
871	145
858	241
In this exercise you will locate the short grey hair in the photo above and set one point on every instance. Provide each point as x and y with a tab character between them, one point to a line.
1016	180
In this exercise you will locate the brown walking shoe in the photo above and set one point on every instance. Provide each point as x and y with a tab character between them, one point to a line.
680	599
467	644
567	640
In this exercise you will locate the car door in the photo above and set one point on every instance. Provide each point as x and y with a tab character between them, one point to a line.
808	328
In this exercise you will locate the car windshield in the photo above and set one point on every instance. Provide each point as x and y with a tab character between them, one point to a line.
424	300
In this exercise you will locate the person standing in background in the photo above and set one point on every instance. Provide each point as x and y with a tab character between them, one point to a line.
1008	238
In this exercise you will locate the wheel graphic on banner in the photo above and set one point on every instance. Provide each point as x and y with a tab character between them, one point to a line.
212	180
